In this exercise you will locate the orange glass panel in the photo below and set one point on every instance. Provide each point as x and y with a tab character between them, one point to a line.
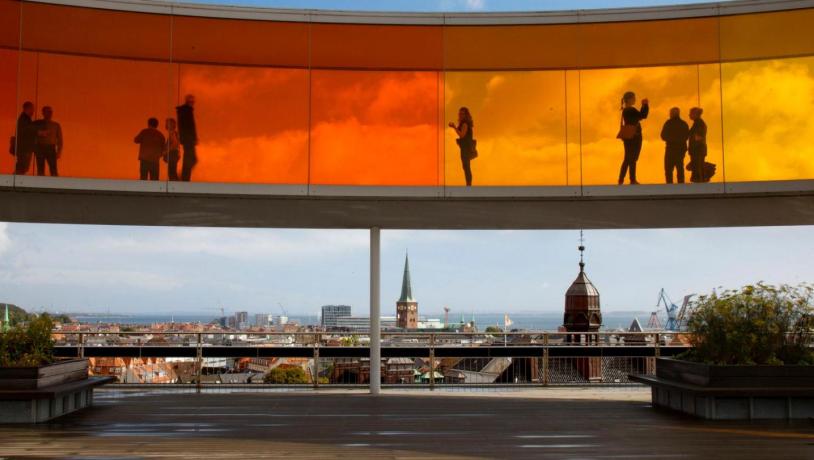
520	126
511	47
601	94
9	24
768	125
767	35
647	43
252	123
374	128
95	32
8	106
377	46
99	115
231	41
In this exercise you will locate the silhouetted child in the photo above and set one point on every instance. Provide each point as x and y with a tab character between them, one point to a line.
151	149
172	149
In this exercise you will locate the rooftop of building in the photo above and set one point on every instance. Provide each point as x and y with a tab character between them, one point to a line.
550	423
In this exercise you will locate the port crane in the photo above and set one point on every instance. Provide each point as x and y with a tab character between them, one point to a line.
676	316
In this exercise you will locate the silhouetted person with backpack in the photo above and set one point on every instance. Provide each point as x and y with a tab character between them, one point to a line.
25	139
188	136
698	147
630	132
151	149
674	134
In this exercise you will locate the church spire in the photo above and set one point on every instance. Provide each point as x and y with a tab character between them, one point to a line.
406	286
581	252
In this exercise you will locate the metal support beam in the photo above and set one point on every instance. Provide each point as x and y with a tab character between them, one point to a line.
375	312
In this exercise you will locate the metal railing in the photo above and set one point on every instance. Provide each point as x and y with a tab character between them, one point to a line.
409	359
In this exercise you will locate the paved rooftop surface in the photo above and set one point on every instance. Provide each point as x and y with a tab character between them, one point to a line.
612	423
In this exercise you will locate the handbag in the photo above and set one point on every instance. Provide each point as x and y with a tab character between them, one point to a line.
473	150
626	132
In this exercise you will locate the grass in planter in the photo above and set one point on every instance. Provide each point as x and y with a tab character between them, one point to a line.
757	324
28	345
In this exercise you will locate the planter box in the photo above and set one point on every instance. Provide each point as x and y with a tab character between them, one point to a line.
33	378
732	392
39	394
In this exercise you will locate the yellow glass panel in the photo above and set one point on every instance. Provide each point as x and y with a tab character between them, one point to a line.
767	35
709	98
511	47
648	43
573	144
519	124
252	123
601	94
768	125
99	115
374	128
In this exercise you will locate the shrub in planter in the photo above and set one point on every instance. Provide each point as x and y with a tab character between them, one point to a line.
29	345
286	375
757	324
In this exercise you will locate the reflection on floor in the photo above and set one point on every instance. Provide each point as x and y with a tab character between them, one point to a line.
546	423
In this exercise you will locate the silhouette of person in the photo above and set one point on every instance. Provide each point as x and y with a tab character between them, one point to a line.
172	149
674	133
187	135
25	139
633	144
151	149
465	131
49	142
698	145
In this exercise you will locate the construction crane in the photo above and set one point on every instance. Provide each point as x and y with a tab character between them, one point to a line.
676	317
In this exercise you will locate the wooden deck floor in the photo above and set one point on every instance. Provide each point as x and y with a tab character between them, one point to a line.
297	425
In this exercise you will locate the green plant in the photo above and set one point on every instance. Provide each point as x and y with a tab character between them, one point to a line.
757	324
28	345
286	375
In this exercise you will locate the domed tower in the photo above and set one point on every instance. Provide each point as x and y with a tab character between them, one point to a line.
582	312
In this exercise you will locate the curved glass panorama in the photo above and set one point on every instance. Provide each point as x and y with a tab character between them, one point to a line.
350	104
443	5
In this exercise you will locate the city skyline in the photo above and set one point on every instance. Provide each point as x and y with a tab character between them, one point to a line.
130	270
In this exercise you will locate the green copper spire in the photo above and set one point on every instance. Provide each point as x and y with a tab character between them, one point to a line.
406	286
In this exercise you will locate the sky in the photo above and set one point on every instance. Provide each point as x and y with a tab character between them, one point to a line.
446	5
131	270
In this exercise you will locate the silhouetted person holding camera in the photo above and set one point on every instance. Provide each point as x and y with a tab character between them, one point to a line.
698	146
49	142
172	151
674	134
25	139
630	132
464	129
151	149
188	136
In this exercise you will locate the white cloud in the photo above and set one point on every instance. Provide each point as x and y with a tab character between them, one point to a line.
454	5
5	240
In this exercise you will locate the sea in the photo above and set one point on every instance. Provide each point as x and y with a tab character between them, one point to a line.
522	321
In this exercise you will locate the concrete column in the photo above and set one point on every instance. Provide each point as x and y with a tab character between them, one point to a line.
375	312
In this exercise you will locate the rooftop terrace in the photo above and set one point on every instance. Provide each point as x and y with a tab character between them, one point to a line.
550	423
